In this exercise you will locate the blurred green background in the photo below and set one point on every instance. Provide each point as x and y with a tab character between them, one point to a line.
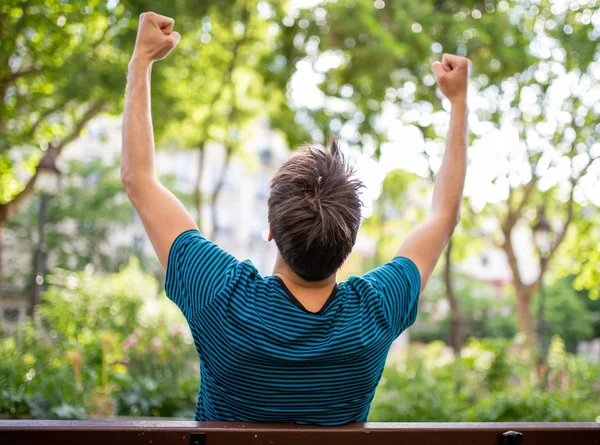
509	327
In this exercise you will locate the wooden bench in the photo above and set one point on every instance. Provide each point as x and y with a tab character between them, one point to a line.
161	432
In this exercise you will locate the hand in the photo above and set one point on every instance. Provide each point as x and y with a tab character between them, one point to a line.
155	37
452	76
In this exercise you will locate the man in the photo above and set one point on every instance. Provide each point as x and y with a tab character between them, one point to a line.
295	346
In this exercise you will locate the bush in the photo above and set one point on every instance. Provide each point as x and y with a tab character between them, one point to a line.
487	383
94	349
104	345
566	313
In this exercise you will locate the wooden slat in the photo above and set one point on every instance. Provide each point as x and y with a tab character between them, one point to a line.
117	432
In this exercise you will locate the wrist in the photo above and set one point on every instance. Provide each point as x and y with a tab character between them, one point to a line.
139	63
459	103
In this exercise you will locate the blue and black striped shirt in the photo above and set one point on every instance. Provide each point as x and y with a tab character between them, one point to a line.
264	358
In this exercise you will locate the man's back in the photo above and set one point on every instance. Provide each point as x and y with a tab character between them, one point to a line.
264	358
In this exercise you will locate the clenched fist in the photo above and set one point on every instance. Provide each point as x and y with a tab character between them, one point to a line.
452	76
155	37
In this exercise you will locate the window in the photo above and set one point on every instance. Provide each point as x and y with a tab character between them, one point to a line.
11	316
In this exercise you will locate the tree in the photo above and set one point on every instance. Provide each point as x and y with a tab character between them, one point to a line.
581	254
46	98
225	90
567	314
90	209
522	53
61	64
375	58
394	212
384	53
553	111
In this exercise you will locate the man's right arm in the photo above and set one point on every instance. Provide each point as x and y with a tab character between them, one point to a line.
426	243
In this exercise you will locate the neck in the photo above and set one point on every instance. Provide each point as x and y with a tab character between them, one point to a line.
282	271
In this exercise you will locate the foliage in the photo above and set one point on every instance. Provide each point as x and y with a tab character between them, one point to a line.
566	313
46	96
218	81
582	253
488	383
569	314
94	349
533	121
84	225
385	50
396	211
87	213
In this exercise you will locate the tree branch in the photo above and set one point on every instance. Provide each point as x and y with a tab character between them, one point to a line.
219	187
9	45
457	323
59	106
570	203
226	79
91	112
511	257
16	75
529	187
211	113
8	209
508	225
568	219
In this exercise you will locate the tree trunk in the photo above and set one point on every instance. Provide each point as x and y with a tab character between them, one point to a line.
217	191
1	265
457	325
523	292
40	255
198	187
379	257
8	209
525	317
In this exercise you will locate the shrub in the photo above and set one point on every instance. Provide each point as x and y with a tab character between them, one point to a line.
94	349
489	382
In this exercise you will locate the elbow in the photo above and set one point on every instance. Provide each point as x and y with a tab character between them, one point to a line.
127	181
449	222
453	221
133	183
456	220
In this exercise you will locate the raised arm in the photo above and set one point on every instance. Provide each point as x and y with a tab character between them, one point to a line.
163	216
426	243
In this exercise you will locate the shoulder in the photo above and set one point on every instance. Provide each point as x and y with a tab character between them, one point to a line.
244	275
398	268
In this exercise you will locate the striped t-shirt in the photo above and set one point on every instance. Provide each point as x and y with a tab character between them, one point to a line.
264	358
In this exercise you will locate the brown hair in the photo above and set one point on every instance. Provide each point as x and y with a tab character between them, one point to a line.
315	210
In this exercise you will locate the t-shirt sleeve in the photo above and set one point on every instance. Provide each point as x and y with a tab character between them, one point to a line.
398	284
196	271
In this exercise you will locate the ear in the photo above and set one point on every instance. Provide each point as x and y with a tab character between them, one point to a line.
270	238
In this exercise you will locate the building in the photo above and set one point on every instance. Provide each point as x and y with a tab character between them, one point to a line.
242	203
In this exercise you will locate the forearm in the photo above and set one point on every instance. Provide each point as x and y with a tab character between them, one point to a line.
137	153
450	180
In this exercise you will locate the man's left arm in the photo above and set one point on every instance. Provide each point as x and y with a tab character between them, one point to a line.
163	216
